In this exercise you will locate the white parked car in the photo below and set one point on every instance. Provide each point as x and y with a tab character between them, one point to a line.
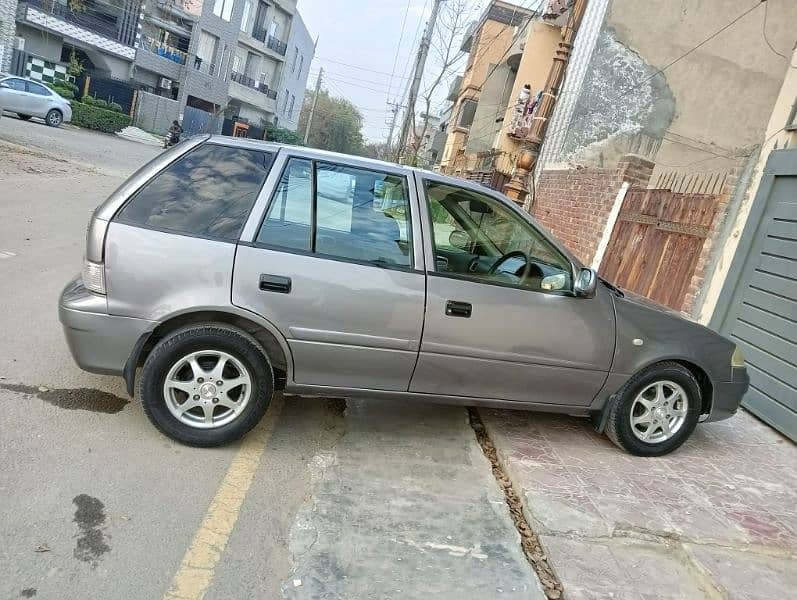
28	98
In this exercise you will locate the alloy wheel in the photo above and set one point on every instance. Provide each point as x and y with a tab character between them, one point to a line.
659	411
207	389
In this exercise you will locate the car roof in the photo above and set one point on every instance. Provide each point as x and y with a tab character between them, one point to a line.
343	157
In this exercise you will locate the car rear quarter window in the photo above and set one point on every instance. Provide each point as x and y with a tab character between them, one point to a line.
207	193
15	84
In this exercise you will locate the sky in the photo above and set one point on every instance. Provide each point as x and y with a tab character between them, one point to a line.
359	42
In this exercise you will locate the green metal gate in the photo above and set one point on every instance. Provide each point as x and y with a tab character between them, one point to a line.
758	309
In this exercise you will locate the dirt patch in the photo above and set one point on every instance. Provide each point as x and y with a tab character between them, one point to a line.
528	539
72	399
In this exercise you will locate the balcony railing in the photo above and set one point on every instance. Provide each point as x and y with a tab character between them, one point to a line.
204	66
259	33
259	86
276	45
105	25
168	52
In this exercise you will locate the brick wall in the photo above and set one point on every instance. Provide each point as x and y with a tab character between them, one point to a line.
574	204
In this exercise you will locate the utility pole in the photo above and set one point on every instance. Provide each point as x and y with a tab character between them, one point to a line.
394	108
315	101
516	189
420	63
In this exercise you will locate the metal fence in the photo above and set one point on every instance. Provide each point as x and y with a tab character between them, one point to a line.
155	113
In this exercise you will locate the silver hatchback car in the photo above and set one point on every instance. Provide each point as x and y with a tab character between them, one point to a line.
28	98
228	269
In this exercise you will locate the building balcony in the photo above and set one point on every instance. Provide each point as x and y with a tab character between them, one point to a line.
254	93
453	89
276	45
164	50
253	84
189	10
520	127
105	26
205	66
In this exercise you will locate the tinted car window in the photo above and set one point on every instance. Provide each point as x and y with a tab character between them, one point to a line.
15	84
287	223
207	193
476	237
361	215
35	88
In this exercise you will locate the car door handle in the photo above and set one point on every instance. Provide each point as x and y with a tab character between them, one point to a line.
275	283
458	309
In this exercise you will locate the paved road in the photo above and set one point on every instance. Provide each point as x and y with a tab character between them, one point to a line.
316	503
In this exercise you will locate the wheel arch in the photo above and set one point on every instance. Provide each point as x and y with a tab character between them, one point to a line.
605	400
269	338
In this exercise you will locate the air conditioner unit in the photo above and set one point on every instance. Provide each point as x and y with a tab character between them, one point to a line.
166	84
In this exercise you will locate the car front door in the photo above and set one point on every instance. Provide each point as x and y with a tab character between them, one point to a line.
329	258
502	321
13	96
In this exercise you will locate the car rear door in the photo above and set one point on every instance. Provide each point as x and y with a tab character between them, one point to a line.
496	335
13	98
329	256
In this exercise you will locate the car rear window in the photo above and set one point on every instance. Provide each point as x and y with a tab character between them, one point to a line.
207	193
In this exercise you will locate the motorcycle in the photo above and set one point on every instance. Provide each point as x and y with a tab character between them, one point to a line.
172	137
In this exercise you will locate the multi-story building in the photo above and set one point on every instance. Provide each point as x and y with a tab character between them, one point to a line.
482	93
247	59
101	34
227	55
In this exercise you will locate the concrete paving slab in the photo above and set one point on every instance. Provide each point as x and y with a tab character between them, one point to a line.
393	515
732	486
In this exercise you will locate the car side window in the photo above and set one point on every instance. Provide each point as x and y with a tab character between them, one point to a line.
360	214
287	223
35	88
16	84
476	237
206	193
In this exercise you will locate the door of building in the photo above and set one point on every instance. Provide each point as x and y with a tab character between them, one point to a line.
758	306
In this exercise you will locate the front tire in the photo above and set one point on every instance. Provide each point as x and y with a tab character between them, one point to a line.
206	385
54	118
655	411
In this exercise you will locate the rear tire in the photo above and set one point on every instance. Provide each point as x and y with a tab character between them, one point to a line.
24	117
655	411
190	407
54	118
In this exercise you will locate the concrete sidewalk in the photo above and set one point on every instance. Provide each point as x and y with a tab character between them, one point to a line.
406	506
716	519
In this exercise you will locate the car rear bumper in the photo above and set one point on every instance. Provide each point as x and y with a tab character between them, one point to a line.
728	395
99	342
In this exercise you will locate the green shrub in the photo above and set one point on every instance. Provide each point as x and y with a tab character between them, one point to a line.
100	103
99	119
88	100
114	107
68	94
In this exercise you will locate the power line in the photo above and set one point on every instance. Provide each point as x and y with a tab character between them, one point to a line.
766	39
345	64
398	47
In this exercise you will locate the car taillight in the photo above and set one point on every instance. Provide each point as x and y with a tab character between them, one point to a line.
94	276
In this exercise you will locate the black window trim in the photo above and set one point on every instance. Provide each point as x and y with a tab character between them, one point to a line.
117	217
411	268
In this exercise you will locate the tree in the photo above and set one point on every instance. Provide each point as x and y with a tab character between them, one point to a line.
378	150
337	124
452	23
282	135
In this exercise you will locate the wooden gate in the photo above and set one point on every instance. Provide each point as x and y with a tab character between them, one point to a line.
656	243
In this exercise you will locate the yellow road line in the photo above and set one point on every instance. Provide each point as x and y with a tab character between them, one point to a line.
195	574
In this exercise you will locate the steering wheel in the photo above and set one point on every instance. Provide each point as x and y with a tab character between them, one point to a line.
514	254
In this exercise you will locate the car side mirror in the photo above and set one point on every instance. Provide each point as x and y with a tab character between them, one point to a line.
459	239
586	283
3	84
